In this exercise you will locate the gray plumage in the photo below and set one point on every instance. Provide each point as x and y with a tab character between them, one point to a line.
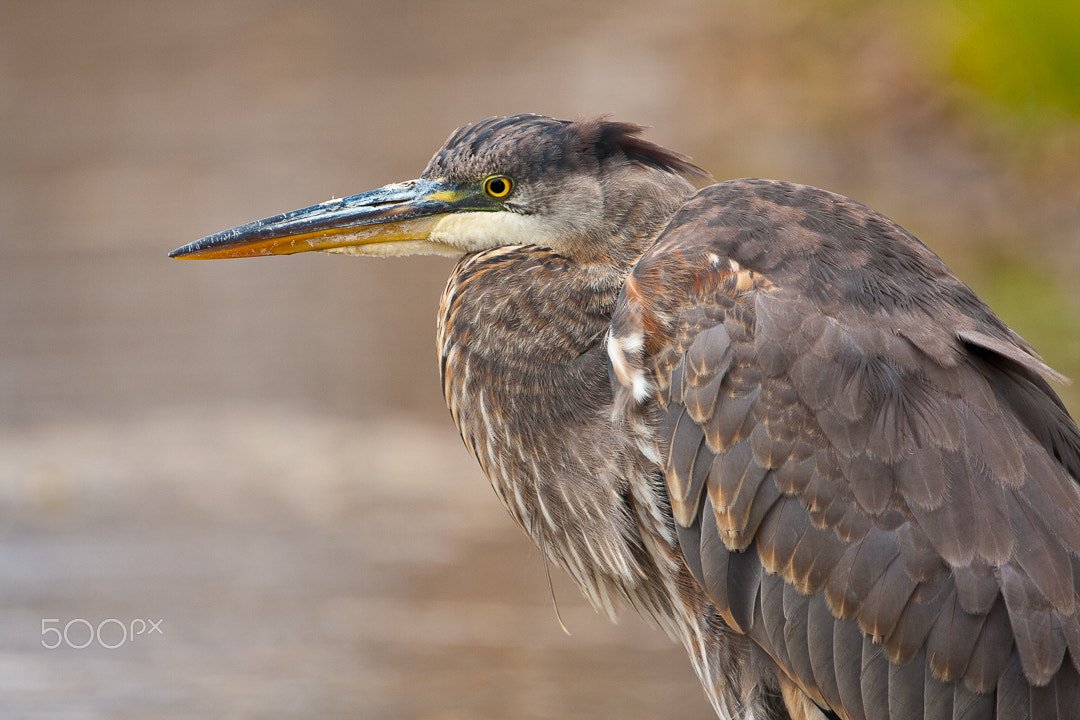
761	414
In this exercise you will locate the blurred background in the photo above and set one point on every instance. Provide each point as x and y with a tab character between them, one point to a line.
255	455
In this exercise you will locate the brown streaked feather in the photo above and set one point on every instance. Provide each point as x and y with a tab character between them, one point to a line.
1038	408
1048	491
744	487
710	354
769	451
847	437
992	442
714	560
825	485
922	563
675	385
765	498
729	471
794	476
778	409
993	537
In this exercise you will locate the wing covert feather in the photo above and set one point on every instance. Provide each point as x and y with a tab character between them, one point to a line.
878	488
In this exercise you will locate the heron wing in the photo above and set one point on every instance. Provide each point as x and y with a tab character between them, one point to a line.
868	473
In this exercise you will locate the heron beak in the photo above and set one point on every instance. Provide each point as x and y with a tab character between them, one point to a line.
393	220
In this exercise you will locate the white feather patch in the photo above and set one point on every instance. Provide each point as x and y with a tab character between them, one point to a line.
623	370
473	231
630	377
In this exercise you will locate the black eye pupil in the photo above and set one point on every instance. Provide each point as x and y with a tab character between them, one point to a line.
498	187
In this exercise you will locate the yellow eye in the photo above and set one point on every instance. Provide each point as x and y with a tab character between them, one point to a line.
498	186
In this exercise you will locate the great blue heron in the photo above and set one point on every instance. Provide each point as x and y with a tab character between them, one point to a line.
761	414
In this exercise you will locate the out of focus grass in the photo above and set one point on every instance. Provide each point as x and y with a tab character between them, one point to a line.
1042	310
1023	57
1012	70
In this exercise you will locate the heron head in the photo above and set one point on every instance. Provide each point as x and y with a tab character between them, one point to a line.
589	189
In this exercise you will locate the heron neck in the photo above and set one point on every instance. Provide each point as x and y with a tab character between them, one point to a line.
521	340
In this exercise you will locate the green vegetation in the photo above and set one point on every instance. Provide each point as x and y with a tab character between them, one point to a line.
1023	57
